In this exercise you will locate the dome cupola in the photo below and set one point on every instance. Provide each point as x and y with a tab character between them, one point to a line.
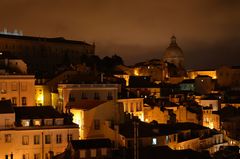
174	53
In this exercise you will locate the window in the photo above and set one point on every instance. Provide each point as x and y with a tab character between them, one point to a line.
37	156
14	100
154	141
25	140
25	156
82	153
167	139
84	95
58	138
69	137
24	86
93	152
8	138
71	98
47	139
96	96
132	108
24	100
58	121
139	106
47	156
36	139
25	123
14	86
109	97
37	122
126	107
8	123
3	87
48	122
104	151
96	124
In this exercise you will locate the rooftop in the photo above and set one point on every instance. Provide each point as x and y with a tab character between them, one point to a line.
91	143
6	107
42	39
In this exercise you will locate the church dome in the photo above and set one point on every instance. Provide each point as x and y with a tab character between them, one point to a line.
173	53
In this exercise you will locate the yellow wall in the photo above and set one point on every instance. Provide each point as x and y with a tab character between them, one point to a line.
18	86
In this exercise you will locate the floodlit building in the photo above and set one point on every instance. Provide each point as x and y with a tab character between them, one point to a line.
156	114
95	117
19	89
133	106
76	92
34	132
192	74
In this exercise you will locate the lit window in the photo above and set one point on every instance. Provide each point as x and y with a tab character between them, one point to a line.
36	139
154	141
37	122
25	123
25	140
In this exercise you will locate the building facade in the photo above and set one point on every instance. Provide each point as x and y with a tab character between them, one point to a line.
18	88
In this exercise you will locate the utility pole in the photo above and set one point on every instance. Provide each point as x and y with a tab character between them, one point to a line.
135	139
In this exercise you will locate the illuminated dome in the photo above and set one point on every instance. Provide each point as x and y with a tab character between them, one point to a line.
174	53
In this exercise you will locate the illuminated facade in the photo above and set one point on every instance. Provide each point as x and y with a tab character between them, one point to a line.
184	115
95	118
27	132
42	95
75	92
210	119
133	106
18	88
194	73
155	114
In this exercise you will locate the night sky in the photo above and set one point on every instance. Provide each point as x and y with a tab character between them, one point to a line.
208	31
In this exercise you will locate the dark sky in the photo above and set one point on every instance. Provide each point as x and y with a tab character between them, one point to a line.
208	31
